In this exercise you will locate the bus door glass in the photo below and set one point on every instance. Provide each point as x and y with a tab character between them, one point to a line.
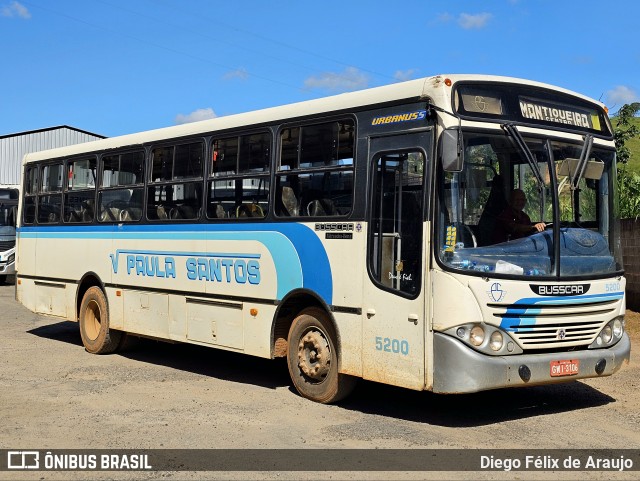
394	308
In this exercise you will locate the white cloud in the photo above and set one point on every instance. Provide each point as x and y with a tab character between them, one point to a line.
195	116
240	73
15	9
621	95
350	79
402	75
444	18
477	21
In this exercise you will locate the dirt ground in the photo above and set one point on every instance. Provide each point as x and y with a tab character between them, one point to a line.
632	320
54	395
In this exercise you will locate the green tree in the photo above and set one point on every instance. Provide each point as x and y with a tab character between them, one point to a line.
628	182
624	130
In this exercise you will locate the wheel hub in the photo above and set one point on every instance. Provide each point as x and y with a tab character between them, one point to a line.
314	355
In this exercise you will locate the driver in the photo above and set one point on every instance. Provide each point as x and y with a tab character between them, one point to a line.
513	222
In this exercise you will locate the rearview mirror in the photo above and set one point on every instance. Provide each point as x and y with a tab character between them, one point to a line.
452	150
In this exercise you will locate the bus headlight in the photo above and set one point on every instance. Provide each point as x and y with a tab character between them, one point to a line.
606	334
476	336
485	338
610	334
618	329
496	341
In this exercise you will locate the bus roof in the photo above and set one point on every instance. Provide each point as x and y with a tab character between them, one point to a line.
430	87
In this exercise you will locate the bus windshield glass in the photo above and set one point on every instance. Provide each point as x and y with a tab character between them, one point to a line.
498	214
8	216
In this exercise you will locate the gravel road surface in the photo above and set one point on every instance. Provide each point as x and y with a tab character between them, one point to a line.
54	395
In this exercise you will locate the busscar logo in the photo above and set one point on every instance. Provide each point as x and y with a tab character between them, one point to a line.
334	227
560	289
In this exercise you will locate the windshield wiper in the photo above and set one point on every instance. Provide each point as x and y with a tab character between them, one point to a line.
582	161
514	133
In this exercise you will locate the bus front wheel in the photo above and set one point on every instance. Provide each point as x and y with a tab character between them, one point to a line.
96	336
312	357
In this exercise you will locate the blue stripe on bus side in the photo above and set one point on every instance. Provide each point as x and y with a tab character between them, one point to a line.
299	256
555	301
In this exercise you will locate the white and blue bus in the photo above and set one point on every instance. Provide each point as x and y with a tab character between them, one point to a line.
365	235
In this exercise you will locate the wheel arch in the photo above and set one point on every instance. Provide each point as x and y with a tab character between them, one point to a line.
290	306
90	279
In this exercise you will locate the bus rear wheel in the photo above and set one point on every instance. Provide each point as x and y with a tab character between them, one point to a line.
96	336
312	358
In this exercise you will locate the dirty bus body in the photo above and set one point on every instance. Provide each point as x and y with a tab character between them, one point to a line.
356	235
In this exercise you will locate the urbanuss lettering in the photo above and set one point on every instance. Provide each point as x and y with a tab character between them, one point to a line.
407	117
560	290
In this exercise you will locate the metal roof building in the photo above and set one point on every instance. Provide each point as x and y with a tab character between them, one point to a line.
14	146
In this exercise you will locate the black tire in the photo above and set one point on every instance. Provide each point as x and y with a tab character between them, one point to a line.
3	278
96	336
312	358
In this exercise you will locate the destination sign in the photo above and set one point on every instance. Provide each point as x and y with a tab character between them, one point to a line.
559	114
529	105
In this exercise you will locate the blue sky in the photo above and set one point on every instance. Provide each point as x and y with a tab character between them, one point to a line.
119	66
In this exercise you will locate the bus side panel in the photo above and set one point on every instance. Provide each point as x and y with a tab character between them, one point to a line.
350	340
51	299
56	287
194	319
147	313
344	242
26	293
257	329
215	323
26	254
116	309
26	264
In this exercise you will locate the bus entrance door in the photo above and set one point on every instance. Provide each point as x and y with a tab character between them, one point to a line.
394	305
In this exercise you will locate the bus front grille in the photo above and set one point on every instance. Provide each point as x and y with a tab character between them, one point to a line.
544	326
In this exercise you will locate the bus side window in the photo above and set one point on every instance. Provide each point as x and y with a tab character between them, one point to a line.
315	173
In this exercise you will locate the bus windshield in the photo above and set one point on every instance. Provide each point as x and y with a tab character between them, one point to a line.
498	215
8	213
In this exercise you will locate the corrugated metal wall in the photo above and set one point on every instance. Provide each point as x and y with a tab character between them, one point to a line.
14	147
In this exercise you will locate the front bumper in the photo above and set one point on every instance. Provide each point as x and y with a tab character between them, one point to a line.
7	269
8	262
460	369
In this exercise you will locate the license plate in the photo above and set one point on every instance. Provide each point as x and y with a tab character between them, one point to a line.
565	367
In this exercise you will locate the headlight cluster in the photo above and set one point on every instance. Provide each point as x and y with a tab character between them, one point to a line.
610	334
487	339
